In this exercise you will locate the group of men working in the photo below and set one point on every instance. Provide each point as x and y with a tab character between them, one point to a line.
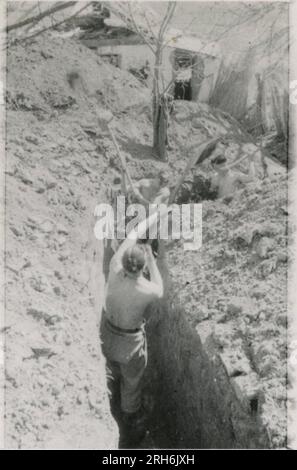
130	291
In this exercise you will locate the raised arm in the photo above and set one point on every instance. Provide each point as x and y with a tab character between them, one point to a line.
156	278
116	261
124	181
251	175
162	196
214	182
138	195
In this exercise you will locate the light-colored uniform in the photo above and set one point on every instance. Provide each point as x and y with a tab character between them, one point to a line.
122	331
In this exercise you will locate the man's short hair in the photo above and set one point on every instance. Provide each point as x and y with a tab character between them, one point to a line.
133	259
219	160
117	180
164	177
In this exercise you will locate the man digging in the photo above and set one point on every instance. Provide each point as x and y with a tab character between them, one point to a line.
226	181
151	190
128	294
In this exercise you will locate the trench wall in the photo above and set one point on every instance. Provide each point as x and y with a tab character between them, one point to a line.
194	398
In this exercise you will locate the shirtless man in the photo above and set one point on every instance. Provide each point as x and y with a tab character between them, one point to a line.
128	294
227	181
152	190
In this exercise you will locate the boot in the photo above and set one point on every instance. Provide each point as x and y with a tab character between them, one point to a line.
134	428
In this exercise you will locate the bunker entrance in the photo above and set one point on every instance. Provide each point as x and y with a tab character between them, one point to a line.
183	90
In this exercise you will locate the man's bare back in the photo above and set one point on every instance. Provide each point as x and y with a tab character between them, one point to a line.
128	297
226	181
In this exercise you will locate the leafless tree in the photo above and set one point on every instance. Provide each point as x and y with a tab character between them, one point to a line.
154	34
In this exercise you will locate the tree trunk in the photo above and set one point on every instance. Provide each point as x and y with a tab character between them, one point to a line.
156	100
156	119
162	133
160	130
159	114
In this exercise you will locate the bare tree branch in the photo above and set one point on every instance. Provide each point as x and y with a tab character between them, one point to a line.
150	28
137	30
54	25
166	20
37	18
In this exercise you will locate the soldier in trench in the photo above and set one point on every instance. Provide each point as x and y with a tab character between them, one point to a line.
145	191
226	181
148	191
128	294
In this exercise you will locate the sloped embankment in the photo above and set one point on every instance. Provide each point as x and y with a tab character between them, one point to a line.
56	167
218	343
59	165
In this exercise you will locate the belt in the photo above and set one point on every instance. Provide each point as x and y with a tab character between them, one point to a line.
122	330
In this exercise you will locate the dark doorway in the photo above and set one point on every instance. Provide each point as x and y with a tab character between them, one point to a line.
183	62
183	90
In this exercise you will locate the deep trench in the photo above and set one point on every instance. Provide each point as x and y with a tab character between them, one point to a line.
191	400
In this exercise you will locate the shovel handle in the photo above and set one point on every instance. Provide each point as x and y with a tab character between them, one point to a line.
121	157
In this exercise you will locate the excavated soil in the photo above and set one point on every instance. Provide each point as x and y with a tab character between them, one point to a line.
217	373
218	343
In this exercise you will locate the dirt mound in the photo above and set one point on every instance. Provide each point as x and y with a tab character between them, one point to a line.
58	74
234	293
